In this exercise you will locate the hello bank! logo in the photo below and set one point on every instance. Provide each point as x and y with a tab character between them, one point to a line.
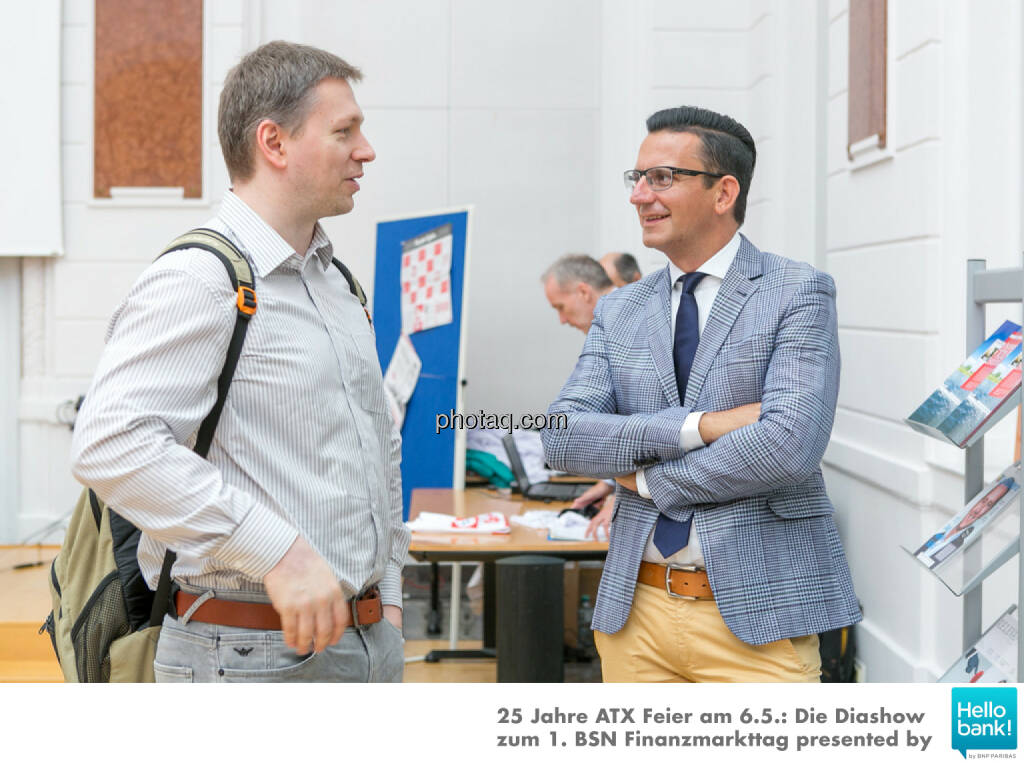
984	718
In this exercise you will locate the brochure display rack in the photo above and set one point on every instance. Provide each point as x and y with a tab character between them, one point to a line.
995	540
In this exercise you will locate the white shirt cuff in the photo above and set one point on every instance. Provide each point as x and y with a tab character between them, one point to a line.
641	484
689	435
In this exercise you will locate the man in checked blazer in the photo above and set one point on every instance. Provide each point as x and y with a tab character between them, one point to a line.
708	390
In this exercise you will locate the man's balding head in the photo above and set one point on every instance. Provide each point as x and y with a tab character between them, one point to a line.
621	267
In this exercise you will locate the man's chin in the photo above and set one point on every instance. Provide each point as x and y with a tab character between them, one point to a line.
341	207
651	239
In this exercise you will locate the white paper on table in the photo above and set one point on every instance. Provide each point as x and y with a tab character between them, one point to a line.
401	377
426	280
573	526
492	523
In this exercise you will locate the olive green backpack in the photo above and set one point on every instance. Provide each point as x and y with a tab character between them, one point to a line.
105	621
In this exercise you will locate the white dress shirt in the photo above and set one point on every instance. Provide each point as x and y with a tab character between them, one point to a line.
705	293
305	443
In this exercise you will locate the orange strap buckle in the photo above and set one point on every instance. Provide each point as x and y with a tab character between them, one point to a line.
246	300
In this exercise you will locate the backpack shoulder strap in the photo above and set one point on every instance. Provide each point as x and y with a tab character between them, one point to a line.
240	273
238	268
353	286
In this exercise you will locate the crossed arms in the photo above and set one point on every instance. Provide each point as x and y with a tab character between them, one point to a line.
783	447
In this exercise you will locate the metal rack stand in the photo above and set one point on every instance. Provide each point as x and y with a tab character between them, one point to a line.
984	287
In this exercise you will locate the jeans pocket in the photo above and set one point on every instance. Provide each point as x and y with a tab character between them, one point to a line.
265	658
172	674
394	628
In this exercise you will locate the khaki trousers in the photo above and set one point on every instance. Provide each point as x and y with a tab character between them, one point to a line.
668	639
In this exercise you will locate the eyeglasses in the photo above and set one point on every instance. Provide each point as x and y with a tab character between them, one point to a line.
660	178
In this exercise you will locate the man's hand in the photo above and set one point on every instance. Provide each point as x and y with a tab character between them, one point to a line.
628	481
308	598
393	615
593	494
602	519
715	424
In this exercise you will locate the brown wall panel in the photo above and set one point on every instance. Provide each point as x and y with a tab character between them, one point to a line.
867	71
148	97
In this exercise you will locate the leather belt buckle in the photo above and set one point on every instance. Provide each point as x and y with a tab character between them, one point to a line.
668	579
367	608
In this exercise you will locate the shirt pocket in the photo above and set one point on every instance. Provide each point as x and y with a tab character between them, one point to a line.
366	378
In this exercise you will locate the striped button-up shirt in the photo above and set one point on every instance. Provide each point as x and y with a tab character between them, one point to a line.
305	444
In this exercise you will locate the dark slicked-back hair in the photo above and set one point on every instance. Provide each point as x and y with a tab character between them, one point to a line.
727	146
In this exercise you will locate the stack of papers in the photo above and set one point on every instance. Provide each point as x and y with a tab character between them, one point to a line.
573	526
492	523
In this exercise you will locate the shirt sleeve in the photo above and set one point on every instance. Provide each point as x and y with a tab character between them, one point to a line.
641	484
689	436
398	535
155	383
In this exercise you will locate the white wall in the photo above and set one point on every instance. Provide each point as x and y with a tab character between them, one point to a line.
901	224
755	60
468	106
463	106
66	302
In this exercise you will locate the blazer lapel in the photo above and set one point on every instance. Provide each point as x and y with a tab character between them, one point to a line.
659	336
740	282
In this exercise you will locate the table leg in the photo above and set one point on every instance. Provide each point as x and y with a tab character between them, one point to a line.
434	618
488	651
490	606
454	608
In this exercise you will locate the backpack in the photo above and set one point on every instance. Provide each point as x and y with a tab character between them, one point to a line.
105	621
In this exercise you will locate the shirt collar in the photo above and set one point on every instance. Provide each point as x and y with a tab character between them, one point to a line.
262	243
717	266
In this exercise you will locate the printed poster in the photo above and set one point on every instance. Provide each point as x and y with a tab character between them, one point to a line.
426	280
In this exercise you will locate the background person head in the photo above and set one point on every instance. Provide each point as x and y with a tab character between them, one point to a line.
573	284
621	267
291	133
695	201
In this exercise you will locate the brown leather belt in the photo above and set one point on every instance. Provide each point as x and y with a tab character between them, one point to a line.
364	610
679	582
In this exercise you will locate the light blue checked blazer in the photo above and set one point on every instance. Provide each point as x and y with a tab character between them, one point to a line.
757	497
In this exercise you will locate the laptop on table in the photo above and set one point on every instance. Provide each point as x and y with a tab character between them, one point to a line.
542	491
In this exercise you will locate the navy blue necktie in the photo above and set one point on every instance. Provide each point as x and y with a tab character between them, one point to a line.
669	535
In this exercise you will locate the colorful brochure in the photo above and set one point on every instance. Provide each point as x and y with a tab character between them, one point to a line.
966	525
957	410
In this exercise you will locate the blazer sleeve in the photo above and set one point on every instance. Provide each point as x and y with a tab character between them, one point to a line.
590	437
785	446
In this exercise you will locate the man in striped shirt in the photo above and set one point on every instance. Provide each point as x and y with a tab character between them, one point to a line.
296	513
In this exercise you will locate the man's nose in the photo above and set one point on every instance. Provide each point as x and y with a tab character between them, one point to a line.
364	152
642	193
562	319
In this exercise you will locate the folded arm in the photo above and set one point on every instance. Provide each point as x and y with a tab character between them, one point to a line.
596	441
787	443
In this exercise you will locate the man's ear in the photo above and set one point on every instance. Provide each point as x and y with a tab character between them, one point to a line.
270	143
586	291
728	192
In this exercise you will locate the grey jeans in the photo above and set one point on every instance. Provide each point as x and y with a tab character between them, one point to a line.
201	652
